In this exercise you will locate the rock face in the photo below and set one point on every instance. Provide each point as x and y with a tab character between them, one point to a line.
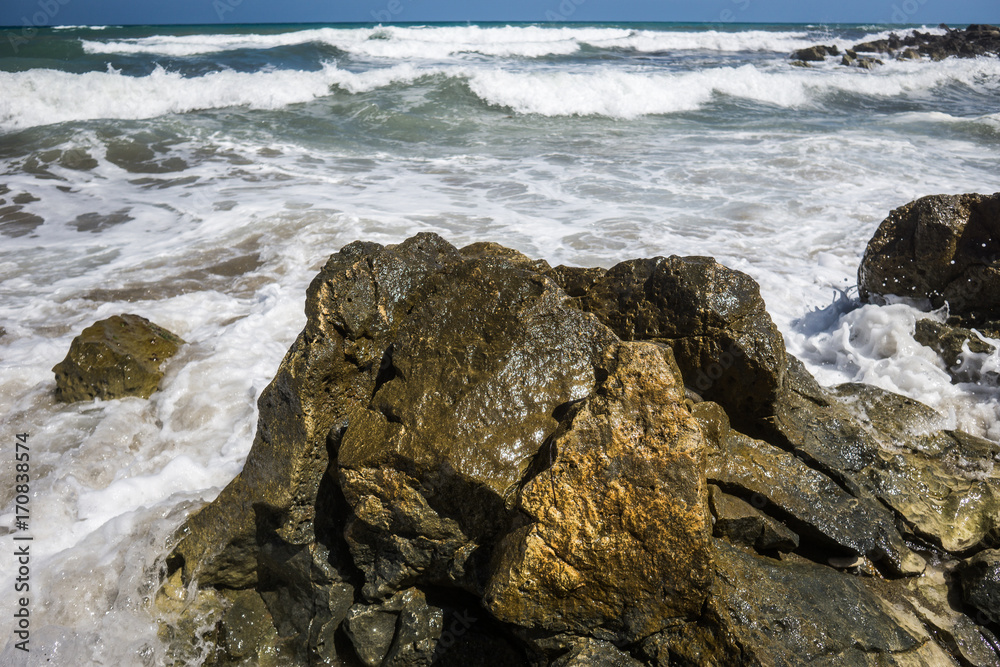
451	421
713	319
472	458
980	577
622	497
945	248
113	358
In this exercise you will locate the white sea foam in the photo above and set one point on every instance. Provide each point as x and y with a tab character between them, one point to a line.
41	96
397	42
442	42
876	345
622	94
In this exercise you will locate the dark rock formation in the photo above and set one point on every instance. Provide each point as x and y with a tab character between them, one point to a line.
113	358
471	458
976	40
945	248
815	53
451	420
980	576
713	318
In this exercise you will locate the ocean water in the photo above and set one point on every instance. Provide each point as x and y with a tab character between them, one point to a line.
200	177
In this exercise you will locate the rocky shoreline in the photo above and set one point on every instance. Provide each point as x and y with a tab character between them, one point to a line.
975	40
470	457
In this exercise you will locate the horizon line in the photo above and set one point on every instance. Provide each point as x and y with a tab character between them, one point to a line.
477	22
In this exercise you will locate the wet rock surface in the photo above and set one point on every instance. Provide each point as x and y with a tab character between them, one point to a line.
469	457
622	496
117	357
713	319
962	350
944	248
980	576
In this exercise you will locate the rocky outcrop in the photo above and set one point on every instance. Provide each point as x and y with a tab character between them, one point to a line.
975	40
815	53
471	457
944	248
452	421
117	357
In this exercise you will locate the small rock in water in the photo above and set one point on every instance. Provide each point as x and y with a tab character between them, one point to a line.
113	358
815	53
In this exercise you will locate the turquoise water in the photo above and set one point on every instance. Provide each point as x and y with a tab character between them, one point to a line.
200	176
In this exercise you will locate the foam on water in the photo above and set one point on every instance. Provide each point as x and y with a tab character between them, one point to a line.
42	96
876	345
619	94
398	42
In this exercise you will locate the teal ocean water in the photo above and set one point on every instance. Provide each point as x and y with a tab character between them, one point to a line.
199	176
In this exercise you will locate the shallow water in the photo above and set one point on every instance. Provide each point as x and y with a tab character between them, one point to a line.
200	178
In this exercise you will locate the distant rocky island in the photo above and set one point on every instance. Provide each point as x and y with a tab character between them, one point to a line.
470	457
975	40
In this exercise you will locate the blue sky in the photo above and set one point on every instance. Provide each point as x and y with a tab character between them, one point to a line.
101	12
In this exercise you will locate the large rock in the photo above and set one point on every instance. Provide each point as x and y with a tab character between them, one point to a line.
117	357
470	457
440	407
945	248
472	374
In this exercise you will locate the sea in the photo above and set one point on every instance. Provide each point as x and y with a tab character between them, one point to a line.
200	177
